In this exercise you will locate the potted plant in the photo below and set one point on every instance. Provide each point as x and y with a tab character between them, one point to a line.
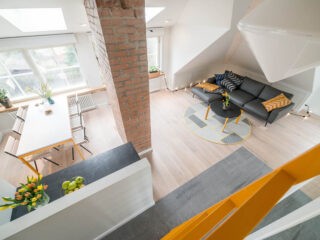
226	101
154	72
31	194
4	100
44	92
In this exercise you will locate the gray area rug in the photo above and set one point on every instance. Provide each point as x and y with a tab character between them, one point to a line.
216	183
211	129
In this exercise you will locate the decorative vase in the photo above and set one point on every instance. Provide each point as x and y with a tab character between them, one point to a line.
50	100
44	201
225	106
6	102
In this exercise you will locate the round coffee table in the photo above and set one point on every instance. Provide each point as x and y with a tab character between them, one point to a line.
233	111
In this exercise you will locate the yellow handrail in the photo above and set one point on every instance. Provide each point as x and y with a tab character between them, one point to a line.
237	215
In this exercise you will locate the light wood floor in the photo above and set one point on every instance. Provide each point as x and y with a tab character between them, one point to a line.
178	155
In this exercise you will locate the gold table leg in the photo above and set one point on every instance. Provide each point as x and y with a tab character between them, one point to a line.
238	118
29	165
225	124
208	109
78	150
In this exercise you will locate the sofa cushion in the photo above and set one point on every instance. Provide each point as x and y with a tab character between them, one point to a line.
209	87
240	97
256	107
211	80
269	92
251	86
219	78
279	101
205	96
228	84
234	78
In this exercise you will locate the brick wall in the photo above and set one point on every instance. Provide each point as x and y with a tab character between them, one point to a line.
120	38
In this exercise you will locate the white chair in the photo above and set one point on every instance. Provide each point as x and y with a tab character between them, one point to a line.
21	113
6	190
18	126
76	121
80	138
74	107
12	146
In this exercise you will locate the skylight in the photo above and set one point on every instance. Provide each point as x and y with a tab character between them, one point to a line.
151	12
35	19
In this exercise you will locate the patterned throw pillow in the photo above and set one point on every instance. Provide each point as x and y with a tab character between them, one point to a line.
209	87
219	78
277	102
234	78
228	84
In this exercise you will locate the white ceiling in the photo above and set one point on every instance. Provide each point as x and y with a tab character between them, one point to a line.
73	11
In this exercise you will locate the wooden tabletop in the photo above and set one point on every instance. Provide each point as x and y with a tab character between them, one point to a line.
41	130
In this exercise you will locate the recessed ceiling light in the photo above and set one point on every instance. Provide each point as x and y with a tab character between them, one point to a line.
166	21
83	25
151	12
35	19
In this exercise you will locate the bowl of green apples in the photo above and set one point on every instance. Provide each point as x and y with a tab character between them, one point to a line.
73	185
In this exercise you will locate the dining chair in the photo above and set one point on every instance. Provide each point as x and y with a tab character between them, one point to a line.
21	113
76	121
11	148
74	106
80	138
18	126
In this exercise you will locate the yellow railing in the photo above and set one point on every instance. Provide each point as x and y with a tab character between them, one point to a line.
237	215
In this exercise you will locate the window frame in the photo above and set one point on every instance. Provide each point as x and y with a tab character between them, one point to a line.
36	71
159	51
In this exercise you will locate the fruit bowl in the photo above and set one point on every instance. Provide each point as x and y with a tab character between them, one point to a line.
73	185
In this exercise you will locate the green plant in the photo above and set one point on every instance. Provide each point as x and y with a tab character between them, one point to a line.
44	91
3	94
30	194
153	69
226	99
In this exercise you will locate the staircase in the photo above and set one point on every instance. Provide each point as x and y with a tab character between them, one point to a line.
237	215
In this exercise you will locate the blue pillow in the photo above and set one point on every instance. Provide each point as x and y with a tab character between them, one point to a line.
219	78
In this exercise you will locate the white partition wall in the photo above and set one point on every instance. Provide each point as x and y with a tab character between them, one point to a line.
91	212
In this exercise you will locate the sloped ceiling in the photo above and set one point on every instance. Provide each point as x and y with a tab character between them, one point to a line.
287	43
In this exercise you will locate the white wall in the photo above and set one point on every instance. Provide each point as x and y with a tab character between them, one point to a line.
90	212
196	29
314	99
87	59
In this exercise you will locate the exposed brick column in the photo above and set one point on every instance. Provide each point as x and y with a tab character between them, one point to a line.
120	38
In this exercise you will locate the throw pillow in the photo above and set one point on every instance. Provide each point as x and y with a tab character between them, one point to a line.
228	84
277	102
234	78
211	80
209	87
219	78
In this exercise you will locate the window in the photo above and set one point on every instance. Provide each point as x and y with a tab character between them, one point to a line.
15	74
59	66
23	69
153	49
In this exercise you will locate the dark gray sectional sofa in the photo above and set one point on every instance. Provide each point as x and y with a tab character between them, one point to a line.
249	96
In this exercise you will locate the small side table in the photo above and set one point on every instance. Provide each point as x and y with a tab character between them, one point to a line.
232	112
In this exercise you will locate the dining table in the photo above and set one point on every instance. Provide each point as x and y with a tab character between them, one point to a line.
46	126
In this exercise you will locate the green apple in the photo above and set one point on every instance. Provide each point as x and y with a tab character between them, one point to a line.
72	185
65	185
79	180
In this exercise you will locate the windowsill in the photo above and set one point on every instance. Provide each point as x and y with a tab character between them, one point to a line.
68	92
156	75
